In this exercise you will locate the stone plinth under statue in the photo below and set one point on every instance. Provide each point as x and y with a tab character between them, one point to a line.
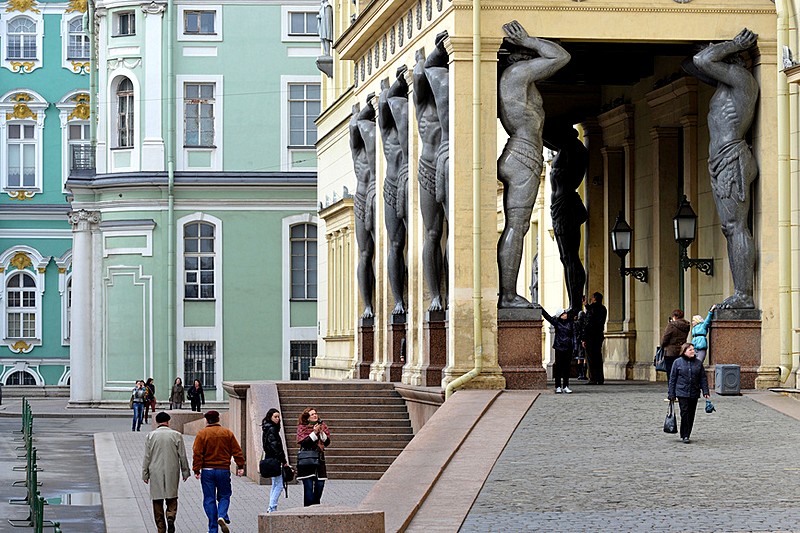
435	348
519	348
735	338
366	347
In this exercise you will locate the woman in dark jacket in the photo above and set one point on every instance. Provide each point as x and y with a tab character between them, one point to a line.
273	447
674	337
196	396
177	396
564	344
312	434
150	399
686	381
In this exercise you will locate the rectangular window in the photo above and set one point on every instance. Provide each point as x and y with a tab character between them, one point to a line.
302	24
302	356
198	105
21	156
78	47
198	261
199	361
304	107
126	23
80	149
199	22
304	261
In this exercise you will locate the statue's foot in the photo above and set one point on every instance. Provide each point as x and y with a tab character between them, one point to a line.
513	301
399	309
436	304
368	312
737	301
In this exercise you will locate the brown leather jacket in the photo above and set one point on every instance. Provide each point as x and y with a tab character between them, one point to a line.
674	336
213	448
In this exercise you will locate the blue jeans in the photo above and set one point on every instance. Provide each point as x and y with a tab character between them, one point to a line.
275	493
138	409
216	483
312	490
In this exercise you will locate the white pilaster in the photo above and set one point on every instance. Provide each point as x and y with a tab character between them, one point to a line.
82	366
153	140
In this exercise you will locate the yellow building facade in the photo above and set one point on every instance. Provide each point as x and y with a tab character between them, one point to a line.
644	122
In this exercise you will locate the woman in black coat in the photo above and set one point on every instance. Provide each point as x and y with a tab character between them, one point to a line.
196	396
313	435
686	381
273	448
564	344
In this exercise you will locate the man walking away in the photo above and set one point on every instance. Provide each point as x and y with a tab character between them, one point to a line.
593	335
213	448
164	465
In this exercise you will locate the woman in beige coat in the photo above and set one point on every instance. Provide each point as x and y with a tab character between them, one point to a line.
164	465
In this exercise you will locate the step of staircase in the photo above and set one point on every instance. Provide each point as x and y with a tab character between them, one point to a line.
369	424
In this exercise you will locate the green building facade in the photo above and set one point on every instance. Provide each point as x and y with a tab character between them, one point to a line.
195	234
44	135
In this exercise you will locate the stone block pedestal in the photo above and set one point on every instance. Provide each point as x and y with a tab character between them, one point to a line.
366	347
519	348
397	336
434	345
735	338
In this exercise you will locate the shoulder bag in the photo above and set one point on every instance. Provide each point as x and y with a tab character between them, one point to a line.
270	467
308	458
658	361
671	422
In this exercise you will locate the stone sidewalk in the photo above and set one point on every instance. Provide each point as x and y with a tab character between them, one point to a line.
597	460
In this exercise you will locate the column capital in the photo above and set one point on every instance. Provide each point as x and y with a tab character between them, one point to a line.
82	219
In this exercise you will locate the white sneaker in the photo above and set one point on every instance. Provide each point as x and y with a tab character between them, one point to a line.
567	390
558	390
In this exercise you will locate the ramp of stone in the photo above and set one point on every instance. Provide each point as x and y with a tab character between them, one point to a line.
369	424
433	483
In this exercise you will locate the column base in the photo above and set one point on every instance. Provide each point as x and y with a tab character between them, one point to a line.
519	350
434	348
366	347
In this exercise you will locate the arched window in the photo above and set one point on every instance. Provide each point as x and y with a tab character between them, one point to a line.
21	307
303	239
198	261
125	114
20	377
21	39
78	46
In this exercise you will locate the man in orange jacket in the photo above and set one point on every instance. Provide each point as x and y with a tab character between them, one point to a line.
213	448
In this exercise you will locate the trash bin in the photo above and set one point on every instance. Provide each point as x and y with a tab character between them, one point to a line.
727	379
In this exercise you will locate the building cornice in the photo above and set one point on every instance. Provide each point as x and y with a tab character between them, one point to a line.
194	179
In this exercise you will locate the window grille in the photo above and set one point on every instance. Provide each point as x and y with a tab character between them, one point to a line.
20	377
199	363
302	356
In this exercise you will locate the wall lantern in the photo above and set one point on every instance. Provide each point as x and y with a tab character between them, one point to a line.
685	225
621	236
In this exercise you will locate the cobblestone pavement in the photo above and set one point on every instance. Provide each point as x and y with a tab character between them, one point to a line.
598	460
248	501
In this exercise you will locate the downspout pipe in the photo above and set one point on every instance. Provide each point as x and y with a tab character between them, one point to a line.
477	313
93	61
170	149
784	200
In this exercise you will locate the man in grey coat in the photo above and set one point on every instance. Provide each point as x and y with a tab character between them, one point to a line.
164	464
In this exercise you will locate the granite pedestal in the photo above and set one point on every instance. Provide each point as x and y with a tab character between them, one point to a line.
366	346
735	338
519	348
434	345
397	336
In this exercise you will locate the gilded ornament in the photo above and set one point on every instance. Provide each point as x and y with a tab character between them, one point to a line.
62	270
80	67
21	195
21	261
81	112
77	5
20	346
21	109
22	6
22	66
42	270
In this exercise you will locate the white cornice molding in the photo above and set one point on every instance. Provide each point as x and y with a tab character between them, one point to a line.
36	233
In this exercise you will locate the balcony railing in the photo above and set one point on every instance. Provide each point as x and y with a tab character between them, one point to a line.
81	157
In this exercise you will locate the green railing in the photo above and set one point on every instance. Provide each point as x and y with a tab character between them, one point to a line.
32	499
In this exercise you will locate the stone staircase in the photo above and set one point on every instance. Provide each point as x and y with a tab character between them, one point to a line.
368	421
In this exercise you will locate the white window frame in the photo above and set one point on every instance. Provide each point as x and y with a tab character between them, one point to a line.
26	64
286	37
199	102
214	151
117	19
77	65
286	159
37	105
207	37
66	107
306	240
199	255
36	270
64	264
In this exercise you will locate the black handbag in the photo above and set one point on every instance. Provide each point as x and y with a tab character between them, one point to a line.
288	474
671	422
307	459
658	361
270	467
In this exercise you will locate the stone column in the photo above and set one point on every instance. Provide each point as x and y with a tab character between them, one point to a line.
81	346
